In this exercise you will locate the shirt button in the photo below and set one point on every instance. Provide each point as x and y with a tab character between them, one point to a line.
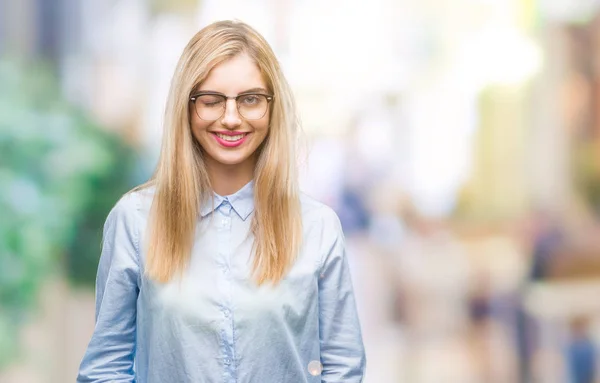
315	368
227	361
226	313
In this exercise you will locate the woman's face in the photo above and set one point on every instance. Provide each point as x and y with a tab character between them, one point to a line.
230	140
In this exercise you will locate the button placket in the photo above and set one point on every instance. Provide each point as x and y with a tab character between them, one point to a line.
223	224
224	220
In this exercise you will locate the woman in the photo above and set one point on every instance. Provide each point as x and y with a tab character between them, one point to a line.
218	270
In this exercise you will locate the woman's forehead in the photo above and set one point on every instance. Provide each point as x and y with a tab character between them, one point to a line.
234	75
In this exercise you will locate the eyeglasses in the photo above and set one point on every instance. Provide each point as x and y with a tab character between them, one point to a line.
210	106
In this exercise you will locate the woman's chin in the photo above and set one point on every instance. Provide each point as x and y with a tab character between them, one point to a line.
230	159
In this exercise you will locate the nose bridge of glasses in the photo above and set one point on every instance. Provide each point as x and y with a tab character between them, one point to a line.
231	106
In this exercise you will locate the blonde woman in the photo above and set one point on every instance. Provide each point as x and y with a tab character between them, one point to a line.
218	269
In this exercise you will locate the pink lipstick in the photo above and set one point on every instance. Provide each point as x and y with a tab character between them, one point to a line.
230	139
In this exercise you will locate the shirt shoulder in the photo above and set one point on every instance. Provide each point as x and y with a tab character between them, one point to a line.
132	207
138	201
319	216
323	235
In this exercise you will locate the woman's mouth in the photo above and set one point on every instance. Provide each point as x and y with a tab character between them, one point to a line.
230	138
230	141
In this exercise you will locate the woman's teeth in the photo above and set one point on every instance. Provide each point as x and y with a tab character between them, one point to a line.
230	138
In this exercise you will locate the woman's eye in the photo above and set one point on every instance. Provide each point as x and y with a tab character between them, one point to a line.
210	101
250	100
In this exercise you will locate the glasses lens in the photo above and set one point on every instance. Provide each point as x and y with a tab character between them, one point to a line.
210	107
252	106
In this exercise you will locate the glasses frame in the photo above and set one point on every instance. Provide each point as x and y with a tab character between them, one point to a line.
195	96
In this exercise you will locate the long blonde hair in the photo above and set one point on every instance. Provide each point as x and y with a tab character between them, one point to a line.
181	178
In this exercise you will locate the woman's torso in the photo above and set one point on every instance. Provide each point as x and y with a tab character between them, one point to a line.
214	324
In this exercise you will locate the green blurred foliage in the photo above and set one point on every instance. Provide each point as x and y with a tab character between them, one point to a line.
60	174
587	173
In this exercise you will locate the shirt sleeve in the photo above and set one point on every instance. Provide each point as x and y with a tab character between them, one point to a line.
110	353
342	351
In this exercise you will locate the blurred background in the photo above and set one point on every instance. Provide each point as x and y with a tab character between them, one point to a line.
459	141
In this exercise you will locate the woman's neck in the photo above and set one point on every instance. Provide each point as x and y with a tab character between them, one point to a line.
228	179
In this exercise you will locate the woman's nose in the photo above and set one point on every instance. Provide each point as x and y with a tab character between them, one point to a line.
231	118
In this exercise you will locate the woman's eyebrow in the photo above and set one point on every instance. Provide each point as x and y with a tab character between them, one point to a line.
251	90
208	91
255	90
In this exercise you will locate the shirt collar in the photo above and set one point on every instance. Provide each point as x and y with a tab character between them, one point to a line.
241	201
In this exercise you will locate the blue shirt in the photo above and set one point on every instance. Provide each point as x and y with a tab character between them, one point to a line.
214	324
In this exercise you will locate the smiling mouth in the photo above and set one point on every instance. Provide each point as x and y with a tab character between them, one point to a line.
228	138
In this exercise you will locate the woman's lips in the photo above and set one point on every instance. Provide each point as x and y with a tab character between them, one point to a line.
230	140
